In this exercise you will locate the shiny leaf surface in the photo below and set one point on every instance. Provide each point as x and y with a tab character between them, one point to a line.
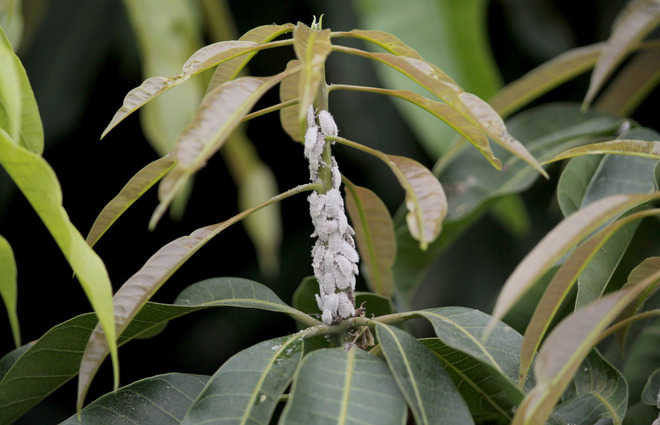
639	148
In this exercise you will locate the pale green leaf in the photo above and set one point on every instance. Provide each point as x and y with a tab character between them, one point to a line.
630	147
312	47
651	391
389	42
131	192
634	22
289	91
247	388
599	391
632	84
335	386
157	400
11	21
558	241
374	232
140	287
8	290
10	94
568	345
430	393
562	283
219	114
39	185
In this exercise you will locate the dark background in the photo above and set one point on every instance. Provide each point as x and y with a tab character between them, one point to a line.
81	58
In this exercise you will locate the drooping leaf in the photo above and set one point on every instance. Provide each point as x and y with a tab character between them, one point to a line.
39	185
260	35
558	241
289	91
161	399
247	388
383	39
430	393
54	359
312	47
634	22
561	284
567	346
599	391
335	386
451	35
131	192
640	148
632	84
31	132
140	287
651	391
8	290
645	268
219	114
374	232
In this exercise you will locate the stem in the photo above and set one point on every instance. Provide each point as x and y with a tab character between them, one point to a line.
321	103
269	109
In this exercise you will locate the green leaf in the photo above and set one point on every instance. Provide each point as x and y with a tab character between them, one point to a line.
247	388
630	147
560	240
260	35
131	192
161	399
335	386
642	358
564	280
374	232
10	95
39	185
651	391
8	290
383	39
312	47
599	392
633	23
510	212
219	114
632	84
31	132
289	91
430	393
451	35
140	287
568	345
11	21
645	268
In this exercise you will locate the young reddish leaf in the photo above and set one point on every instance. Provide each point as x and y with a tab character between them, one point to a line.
560	286
140	287
618	147
289	115
568	345
387	41
230	69
633	23
374	232
557	242
219	114
632	84
131	192
312	47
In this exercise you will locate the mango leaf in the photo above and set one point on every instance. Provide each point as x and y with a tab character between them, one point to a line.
642	357
651	391
389	42
161	399
599	392
632	84
260	35
630	147
10	95
8	290
568	345
335	386
288	92
451	35
219	114
430	393
561	284
645	268
558	241
247	388
312	47
39	185
633	23
11	21
131	192
374	232
137	290
54	359
31	132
